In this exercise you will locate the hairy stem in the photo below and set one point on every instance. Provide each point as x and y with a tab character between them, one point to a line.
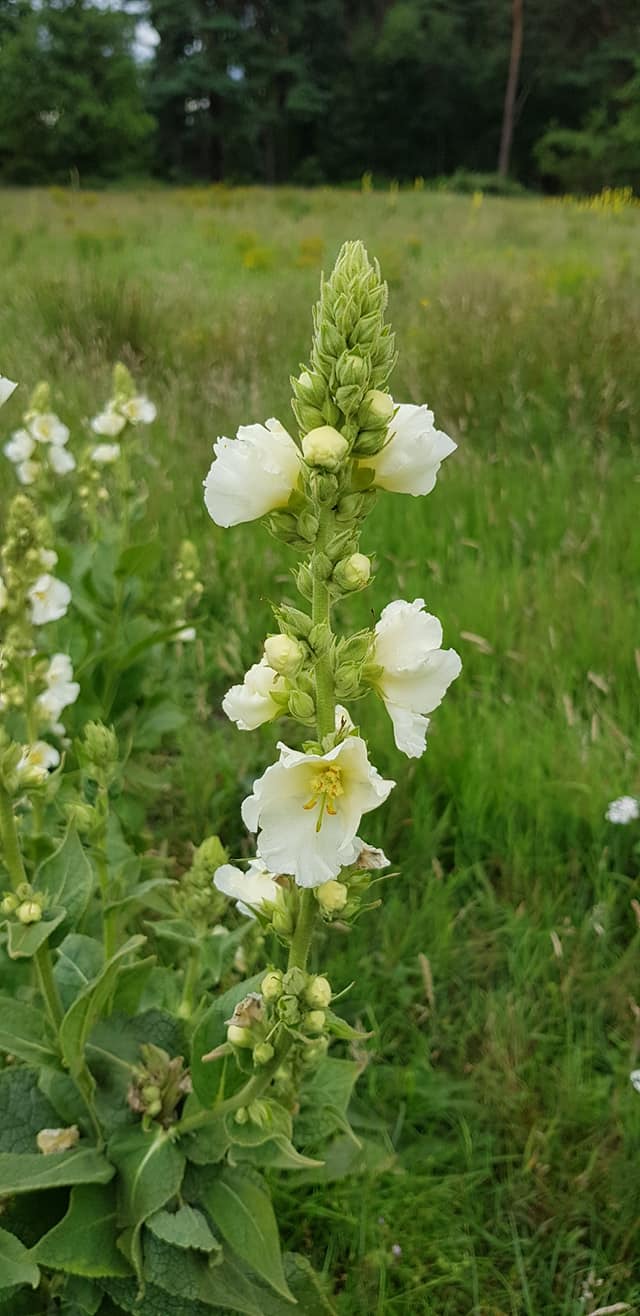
47	985
10	843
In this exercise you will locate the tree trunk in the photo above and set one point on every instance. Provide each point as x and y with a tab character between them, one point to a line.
506	137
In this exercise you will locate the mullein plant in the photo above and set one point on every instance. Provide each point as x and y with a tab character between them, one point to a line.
149	1085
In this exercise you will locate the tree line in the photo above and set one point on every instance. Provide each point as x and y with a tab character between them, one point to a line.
313	91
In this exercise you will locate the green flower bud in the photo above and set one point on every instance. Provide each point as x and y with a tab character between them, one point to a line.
271	985
307	417
283	654
9	903
29	912
347	681
314	1021
259	1114
376	411
308	526
154	1108
151	1092
263	1053
332	896
294	981
318	993
324	447
242	1115
24	891
295	621
304	581
302	707
352	370
369	443
353	572
311	388
288	1010
100	749
81	815
240	1037
325	487
282	923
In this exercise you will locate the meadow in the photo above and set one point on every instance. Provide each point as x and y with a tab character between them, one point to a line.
501	981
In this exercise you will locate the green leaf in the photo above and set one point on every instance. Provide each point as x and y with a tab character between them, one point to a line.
150	1168
214	1078
275	1121
156	721
80	960
24	1111
240	1206
24	1033
16	1266
139	559
64	1096
131	983
26	1173
24	940
277	1154
324	1100
140	892
208	1145
176	930
186	1227
80	1018
84	1241
66	878
81	1297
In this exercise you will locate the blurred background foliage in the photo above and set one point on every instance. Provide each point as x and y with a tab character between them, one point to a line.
314	91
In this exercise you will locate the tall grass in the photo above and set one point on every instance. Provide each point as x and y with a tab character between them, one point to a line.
502	980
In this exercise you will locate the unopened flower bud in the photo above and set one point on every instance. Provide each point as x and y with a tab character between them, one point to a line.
369	443
302	707
288	1010
318	994
151	1092
314	1021
154	1108
271	985
9	903
376	410
283	654
29	912
324	447
353	572
242	1115
352	370
240	1037
294	981
332	896
311	388
263	1053
282	922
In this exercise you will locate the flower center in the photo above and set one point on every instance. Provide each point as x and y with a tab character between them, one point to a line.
326	786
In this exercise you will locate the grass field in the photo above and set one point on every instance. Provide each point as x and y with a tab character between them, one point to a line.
501	976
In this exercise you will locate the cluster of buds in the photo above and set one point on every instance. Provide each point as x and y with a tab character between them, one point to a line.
30	596
195	897
24	905
39	445
159	1086
188	590
292	1004
98	754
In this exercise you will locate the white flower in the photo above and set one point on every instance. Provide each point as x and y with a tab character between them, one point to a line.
19	447
307	809
28	472
105	453
61	689
410	461
108	423
4	595
416	671
251	704
252	474
61	460
283	654
634	1077
138	410
7	387
36	760
249	889
49	598
48	558
624	810
324	447
187	634
48	428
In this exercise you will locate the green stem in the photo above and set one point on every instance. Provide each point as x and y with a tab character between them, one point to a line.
301	939
321	612
47	985
102	869
10	842
252	1089
191	975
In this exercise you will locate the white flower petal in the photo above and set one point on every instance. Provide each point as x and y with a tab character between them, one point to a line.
411	459
250	704
624	810
7	387
49	598
248	889
252	474
61	460
108	423
105	453
20	446
28	472
46	427
138	411
416	672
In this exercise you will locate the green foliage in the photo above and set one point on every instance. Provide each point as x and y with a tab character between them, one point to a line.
84	1241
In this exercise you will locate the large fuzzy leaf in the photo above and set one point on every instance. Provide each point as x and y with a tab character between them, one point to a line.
239	1204
84	1241
150	1167
25	1033
67	879
24	1111
16	1265
31	1171
213	1076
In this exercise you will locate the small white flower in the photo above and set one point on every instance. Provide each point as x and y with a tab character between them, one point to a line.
4	595
36	761
410	461
307	809
49	598
634	1077
61	460
249	889
624	810
138	410
105	453
7	387
251	704
417	672
251	475
28	472
48	428
20	446
187	634
61	689
48	558
108	423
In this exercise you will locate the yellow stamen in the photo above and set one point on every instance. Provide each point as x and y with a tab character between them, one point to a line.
326	787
